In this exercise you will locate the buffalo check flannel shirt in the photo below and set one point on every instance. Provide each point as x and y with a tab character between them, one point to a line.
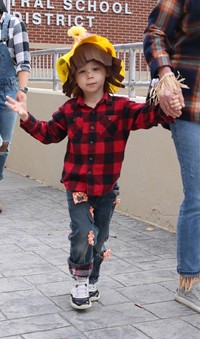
18	43
172	38
96	138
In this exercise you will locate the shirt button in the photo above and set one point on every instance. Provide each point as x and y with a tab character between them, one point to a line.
92	127
90	158
89	172
91	141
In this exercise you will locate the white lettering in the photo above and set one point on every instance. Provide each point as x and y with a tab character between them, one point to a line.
49	5
90	20
27	18
18	15
104	7
92	7
78	20
114	7
48	15
80	8
67	5
38	3
69	20
37	19
25	2
60	20
126	9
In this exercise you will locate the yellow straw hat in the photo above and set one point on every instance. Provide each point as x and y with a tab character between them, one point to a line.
96	48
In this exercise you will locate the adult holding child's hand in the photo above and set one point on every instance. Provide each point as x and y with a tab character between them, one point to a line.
172	51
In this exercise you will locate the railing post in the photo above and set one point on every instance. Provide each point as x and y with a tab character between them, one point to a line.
55	79
131	74
130	55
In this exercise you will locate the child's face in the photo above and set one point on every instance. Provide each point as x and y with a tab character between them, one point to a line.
91	77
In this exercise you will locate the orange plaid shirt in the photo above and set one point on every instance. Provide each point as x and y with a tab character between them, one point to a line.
172	38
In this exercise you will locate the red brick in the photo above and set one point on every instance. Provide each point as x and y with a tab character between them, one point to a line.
119	28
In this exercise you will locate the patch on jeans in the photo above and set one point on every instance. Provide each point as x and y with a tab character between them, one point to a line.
79	197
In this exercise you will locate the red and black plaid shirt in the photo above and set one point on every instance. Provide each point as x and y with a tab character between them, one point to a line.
96	138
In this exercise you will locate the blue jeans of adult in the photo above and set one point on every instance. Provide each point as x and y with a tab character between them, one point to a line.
85	260
7	118
186	136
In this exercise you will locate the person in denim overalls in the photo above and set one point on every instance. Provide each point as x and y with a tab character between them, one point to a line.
13	77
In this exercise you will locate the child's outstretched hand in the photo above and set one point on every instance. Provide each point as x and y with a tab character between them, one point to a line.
19	107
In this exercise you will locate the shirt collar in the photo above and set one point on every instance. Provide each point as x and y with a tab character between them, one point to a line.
105	98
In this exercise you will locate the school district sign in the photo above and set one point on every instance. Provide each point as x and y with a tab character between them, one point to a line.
67	16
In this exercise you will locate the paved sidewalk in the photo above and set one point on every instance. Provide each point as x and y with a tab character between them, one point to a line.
137	284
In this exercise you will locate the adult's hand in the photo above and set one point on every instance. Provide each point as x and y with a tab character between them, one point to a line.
168	93
171	103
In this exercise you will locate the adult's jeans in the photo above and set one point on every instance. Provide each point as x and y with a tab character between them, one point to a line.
186	136
85	259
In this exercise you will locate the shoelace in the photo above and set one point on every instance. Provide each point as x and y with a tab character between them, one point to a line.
81	290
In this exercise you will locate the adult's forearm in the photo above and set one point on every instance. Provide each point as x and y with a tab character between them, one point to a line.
23	77
164	70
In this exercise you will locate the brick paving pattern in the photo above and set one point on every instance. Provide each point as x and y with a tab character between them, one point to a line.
137	284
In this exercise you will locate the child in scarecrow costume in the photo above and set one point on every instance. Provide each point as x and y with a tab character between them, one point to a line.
98	125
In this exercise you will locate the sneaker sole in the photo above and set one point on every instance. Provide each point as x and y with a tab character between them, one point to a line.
187	303
82	307
95	297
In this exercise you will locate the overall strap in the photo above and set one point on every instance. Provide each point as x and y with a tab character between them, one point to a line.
4	31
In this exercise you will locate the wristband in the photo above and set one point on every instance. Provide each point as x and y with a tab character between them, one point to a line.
23	89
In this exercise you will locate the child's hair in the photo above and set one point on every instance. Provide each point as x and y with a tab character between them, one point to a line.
88	47
89	52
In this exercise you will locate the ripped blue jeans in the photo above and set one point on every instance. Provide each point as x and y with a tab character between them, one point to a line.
85	259
7	119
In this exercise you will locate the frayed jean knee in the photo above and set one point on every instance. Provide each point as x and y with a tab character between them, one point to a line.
7	118
186	136
82	222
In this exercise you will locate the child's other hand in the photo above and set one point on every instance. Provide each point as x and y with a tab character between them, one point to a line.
19	107
176	105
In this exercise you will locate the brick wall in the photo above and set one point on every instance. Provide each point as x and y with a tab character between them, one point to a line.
47	21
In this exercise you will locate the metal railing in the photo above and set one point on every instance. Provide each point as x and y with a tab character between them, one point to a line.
43	63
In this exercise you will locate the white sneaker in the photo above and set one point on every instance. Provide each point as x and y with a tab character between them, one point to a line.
94	294
80	294
191	298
